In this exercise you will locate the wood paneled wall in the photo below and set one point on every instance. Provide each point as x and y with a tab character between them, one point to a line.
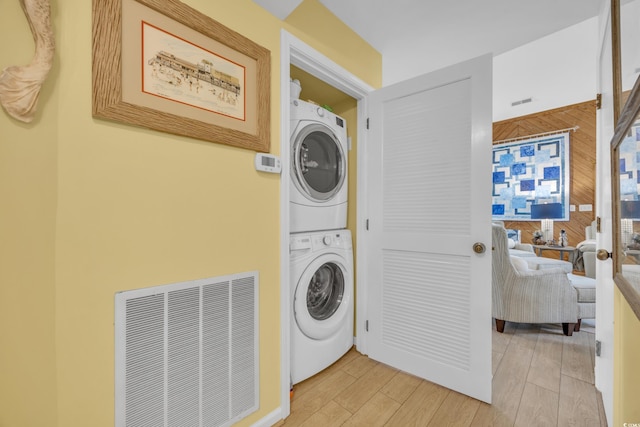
582	146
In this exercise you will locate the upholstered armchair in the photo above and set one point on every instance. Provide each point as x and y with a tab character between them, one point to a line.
529	296
515	245
587	250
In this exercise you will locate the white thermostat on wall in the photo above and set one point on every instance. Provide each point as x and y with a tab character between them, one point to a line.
268	163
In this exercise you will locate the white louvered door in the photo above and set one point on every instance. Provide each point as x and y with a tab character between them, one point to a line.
429	293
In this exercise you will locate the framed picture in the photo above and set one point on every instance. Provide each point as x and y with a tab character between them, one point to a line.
162	65
625	190
527	172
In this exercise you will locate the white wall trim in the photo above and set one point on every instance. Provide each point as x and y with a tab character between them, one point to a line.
285	319
293	51
270	419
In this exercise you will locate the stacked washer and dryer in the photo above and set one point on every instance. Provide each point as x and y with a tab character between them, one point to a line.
320	248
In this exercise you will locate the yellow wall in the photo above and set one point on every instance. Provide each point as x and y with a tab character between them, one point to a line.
626	363
28	197
315	25
91	207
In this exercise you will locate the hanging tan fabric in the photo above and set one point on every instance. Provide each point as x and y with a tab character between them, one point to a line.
20	85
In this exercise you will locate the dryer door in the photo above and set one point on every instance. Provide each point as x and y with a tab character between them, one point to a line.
323	297
318	164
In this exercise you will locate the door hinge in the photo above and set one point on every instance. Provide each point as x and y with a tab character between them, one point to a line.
366	325
367	122
598	348
598	101
366	225
598	224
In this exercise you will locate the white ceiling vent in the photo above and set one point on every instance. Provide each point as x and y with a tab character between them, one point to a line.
187	353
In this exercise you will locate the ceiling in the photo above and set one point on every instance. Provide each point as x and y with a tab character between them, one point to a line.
406	32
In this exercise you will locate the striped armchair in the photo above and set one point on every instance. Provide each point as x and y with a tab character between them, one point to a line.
529	296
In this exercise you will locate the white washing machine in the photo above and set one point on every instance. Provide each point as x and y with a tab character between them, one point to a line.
318	196
321	300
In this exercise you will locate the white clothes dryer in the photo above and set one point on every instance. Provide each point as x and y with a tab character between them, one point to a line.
318	196
321	300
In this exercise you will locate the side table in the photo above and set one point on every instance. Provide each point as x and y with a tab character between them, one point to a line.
562	249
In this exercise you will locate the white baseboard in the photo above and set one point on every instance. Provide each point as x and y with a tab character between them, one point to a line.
270	419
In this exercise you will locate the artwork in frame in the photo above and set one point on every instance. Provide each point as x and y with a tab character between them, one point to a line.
528	172
629	164
180	72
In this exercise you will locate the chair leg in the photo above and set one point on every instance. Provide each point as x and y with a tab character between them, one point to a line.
568	328
500	325
577	329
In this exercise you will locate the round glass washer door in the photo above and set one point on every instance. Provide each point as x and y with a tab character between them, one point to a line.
318	163
323	297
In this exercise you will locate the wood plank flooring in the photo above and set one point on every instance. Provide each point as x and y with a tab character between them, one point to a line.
541	378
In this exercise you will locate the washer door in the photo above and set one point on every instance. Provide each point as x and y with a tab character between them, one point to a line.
323	297
318	166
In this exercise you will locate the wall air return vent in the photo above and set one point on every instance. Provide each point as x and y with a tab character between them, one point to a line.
187	353
522	101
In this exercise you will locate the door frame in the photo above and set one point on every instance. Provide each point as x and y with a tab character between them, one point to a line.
294	51
605	311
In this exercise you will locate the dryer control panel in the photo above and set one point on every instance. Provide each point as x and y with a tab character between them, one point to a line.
304	109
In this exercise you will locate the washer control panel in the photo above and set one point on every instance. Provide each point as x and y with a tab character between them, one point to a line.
302	242
332	239
298	243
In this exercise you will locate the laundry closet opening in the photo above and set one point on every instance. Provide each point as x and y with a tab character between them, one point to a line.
324	95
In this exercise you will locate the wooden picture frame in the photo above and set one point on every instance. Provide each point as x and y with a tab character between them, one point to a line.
626	263
162	65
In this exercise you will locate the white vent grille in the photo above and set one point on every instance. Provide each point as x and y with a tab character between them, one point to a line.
521	101
187	353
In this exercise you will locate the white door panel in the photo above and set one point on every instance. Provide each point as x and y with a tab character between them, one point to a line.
428	293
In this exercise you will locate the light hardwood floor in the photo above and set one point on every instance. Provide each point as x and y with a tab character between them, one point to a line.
540	378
